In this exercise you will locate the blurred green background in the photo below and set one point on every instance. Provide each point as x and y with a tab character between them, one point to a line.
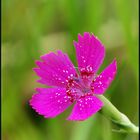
31	28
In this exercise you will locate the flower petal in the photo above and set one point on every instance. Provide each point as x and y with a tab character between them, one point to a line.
90	51
85	107
50	102
102	82
55	69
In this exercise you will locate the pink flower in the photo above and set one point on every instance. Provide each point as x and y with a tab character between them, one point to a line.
71	86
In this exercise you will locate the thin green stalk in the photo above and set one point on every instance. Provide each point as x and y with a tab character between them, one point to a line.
81	130
110	111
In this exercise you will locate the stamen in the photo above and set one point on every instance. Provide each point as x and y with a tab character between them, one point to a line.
79	86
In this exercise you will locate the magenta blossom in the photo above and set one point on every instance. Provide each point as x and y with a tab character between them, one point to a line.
71	86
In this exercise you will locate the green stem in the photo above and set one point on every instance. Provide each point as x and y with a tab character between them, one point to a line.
110	111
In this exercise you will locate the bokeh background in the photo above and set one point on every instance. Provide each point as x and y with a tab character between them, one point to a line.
31	28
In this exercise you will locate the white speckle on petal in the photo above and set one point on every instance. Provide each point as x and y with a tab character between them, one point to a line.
65	97
91	68
69	97
100	82
71	75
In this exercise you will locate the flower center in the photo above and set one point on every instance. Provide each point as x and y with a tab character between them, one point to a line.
80	85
